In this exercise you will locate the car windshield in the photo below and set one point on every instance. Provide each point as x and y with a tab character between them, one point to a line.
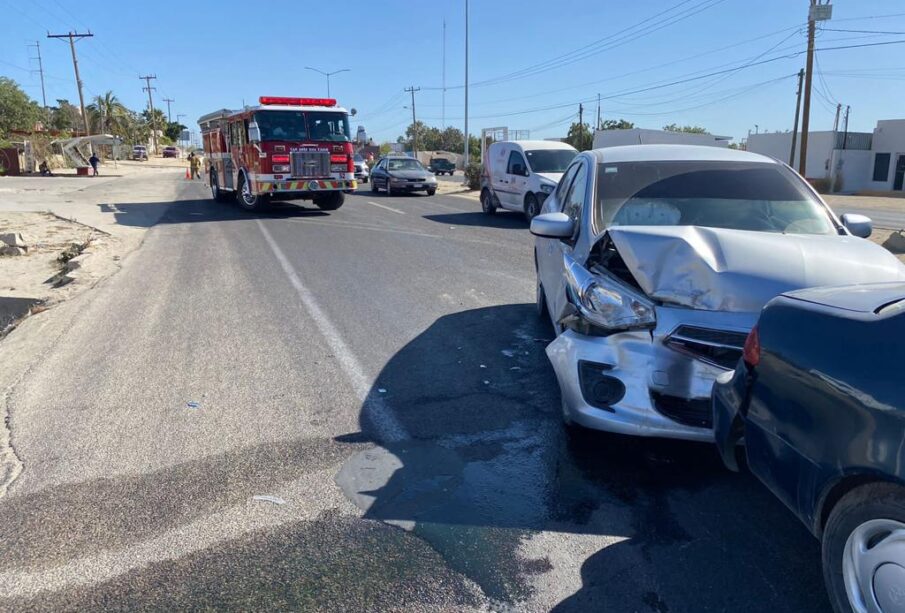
330	126
404	164
755	196
282	125
550	160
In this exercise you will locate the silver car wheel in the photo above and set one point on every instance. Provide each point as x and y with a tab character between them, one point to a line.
873	567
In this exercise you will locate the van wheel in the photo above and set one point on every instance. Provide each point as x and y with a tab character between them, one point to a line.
532	206
246	199
862	553
330	202
487	204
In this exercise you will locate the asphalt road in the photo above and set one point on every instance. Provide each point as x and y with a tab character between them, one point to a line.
380	371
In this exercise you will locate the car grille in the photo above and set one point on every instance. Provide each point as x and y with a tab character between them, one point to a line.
310	164
721	348
696	413
415	180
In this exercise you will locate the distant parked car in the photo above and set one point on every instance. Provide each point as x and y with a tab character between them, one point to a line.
140	153
653	262
402	174
819	401
170	152
362	172
440	166
519	175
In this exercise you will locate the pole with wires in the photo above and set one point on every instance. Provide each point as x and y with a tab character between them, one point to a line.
797	113
73	37
412	90
466	91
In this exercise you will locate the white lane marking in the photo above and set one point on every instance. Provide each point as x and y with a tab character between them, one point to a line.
389	208
388	427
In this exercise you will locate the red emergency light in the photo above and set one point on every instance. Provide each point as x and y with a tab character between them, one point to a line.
297	101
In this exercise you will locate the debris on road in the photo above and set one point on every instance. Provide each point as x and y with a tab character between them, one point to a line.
193	404
896	242
268	498
12	243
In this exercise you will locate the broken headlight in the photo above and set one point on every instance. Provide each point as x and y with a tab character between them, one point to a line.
605	302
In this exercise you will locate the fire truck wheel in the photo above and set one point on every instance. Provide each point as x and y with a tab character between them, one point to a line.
331	201
216	194
247	200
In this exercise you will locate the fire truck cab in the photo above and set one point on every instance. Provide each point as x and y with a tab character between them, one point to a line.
286	148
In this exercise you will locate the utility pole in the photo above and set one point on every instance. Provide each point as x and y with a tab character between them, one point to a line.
817	11
412	90
845	129
797	112
149	89
37	47
168	101
836	120
466	88
580	125
74	36
443	103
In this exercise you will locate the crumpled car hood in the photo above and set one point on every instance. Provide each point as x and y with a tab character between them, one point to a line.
735	270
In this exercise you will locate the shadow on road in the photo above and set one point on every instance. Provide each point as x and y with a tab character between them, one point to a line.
507	220
483	466
147	214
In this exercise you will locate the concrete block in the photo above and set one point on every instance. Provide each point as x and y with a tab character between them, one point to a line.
11	250
895	242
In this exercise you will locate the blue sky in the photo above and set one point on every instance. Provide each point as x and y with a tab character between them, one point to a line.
524	70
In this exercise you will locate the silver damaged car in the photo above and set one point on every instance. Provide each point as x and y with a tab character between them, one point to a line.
653	262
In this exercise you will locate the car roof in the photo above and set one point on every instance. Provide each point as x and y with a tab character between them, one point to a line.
661	153
531	145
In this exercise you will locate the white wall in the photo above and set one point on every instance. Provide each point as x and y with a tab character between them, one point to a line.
641	136
855	168
778	146
889	137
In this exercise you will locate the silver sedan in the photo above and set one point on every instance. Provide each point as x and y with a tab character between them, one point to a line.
653	262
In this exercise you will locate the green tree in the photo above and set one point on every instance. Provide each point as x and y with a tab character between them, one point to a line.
17	110
688	129
580	136
616	124
452	139
66	117
106	114
174	130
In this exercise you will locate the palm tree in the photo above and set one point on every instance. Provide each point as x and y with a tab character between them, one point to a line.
107	113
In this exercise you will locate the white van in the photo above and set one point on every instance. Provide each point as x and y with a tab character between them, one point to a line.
520	174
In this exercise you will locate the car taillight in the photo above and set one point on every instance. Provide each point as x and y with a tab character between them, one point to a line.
751	353
279	159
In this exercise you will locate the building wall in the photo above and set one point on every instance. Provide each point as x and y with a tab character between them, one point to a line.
854	169
778	146
641	136
889	137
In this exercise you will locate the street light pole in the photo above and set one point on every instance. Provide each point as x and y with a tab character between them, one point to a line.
466	87
327	74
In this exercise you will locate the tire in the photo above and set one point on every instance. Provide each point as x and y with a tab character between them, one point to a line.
487	202
859	524
247	200
216	194
540	301
532	206
432	191
330	202
374	189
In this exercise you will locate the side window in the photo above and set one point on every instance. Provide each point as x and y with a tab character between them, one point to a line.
574	199
516	165
565	182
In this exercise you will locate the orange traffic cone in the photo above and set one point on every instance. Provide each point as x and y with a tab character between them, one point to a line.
187	174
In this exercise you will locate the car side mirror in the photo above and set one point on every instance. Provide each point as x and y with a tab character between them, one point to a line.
859	225
553	225
254	133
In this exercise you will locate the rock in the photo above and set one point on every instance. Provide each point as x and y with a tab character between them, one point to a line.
13	239
77	261
11	250
896	242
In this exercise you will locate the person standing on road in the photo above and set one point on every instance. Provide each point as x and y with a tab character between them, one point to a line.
94	161
195	165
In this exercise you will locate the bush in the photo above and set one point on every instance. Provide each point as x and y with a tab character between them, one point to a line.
473	176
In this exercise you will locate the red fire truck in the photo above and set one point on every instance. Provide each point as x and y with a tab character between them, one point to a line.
287	148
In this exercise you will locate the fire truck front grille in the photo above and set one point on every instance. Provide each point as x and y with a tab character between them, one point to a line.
313	164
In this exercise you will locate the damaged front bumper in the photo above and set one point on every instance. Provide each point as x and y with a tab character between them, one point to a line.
667	373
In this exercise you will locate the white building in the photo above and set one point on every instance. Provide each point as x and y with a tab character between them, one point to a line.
865	161
642	136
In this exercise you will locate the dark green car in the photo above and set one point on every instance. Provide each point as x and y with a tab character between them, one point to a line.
440	166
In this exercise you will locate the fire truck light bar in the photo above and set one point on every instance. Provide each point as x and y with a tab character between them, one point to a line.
297	101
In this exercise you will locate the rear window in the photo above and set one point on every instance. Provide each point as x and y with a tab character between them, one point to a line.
752	196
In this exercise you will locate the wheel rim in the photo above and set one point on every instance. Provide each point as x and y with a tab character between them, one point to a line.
485	202
873	566
532	207
247	196
214	191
